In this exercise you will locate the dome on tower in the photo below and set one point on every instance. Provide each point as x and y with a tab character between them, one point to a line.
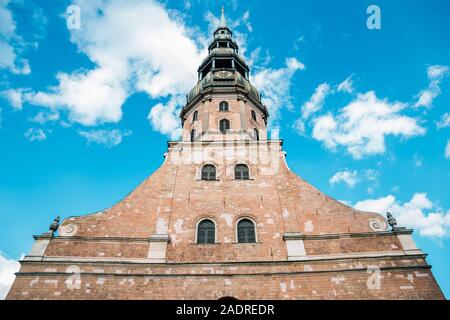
223	70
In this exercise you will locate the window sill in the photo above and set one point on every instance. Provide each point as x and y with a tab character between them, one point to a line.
205	244
243	179
246	243
208	180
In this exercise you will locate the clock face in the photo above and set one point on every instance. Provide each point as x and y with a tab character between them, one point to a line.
223	74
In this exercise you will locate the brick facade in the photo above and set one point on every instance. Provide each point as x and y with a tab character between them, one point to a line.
308	245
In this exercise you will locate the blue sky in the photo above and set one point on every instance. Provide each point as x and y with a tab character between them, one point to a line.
85	112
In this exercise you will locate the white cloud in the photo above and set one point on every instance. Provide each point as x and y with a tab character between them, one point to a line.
9	42
7	269
104	137
419	213
371	175
444	122
275	85
316	101
346	85
362	126
165	118
34	134
447	149
435	74
350	178
43	117
14	97
136	47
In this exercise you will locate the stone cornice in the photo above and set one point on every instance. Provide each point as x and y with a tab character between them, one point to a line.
321	259
292	236
210	90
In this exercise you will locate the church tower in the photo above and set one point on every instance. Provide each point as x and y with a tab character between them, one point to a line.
225	217
224	105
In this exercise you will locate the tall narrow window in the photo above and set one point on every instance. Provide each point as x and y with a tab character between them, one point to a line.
224	106
209	172
193	135
246	231
224	125
256	133
206	232
253	115
195	116
241	172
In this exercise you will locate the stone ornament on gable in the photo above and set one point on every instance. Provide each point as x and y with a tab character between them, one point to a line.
68	230
377	225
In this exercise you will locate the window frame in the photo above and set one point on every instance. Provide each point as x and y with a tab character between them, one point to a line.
197	229
220	125
256	134
254	228
227	106
248	171
207	165
195	116
253	115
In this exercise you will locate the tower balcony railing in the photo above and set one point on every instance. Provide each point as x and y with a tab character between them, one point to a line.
223	78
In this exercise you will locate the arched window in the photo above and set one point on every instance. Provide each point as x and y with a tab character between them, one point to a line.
256	133
241	172
209	172
224	125
253	115
193	135
206	232
224	106
246	231
195	116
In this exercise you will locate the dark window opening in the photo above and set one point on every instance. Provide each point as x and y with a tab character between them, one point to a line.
224	106
223	64
206	70
195	116
224	125
193	135
246	231
241	70
209	172
206	232
256	133
241	172
253	115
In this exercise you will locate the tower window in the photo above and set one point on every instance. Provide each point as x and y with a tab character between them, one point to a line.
224	106
209	172
206	232
256	133
246	231
241	172
193	135
224	125
253	115
195	116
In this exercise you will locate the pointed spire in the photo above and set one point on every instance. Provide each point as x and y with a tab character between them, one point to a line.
223	21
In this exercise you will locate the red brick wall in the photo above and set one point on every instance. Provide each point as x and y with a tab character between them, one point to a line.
407	279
